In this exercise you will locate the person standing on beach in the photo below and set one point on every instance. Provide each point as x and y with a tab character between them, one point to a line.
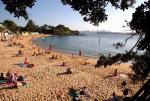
80	52
115	72
33	46
50	47
39	51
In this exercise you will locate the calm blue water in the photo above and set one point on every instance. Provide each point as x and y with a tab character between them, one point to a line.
88	43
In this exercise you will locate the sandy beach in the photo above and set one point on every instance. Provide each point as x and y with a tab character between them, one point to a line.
46	81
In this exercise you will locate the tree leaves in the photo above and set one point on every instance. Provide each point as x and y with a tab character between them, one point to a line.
93	11
31	27
11	25
18	7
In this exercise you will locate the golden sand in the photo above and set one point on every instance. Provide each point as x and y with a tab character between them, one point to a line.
45	85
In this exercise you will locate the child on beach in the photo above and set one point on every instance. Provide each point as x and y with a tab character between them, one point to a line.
26	61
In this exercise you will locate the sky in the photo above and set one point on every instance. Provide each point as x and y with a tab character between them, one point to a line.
53	12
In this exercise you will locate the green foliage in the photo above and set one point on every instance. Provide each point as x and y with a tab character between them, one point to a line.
2	28
31	27
58	30
140	63
46	29
62	30
18	7
140	23
94	10
11	25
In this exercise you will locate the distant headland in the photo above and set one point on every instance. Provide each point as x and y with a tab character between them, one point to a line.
31	27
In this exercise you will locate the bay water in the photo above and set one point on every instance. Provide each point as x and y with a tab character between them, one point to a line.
92	44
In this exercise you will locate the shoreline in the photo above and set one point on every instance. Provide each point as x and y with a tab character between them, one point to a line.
69	54
75	52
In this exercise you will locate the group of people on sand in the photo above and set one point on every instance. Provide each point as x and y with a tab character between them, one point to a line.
125	93
12	79
40	51
83	94
15	44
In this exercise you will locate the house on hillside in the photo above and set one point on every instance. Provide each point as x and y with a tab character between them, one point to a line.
5	34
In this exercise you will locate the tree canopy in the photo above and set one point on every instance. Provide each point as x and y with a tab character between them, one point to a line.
2	28
31	27
11	25
94	10
62	30
18	7
141	62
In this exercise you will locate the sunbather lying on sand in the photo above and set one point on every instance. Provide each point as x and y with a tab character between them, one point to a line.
54	56
26	64
117	75
47	51
22	46
64	63
20	53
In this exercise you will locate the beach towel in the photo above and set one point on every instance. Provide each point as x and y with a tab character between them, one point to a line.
22	65
12	85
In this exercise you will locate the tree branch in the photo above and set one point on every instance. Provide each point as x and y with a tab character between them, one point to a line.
129	38
136	43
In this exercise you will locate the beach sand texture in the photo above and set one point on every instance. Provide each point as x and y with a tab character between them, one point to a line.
44	81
